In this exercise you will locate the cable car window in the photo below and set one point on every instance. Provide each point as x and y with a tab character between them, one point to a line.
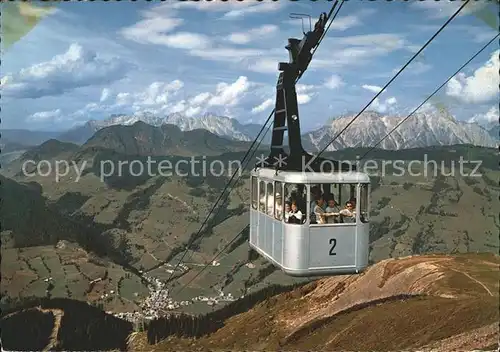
333	203
363	202
324	207
278	201
295	203
254	192
270	200
348	203
262	196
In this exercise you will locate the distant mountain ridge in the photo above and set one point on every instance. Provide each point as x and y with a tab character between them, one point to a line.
144	139
421	130
219	125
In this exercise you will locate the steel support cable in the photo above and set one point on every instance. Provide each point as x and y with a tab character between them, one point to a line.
267	130
395	76
433	93
219	199
272	112
244	167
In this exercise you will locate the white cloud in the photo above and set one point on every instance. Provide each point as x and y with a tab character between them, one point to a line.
262	107
44	116
252	34
481	86
157	93
154	31
104	95
201	98
305	93
193	111
184	40
491	116
233	9
371	88
74	69
253	8
229	94
303	99
345	22
334	82
356	50
153	27
157	26
388	105
441	9
389	41
231	55
264	65
162	98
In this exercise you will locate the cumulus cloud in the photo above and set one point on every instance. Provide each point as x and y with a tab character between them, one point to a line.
104	95
305	93
156	30
480	87
157	93
349	51
44	116
371	88
267	104
356	50
385	106
264	65
233	9
334	82
442	9
252	34
160	22
254	8
169	97
74	69
229	94
488	118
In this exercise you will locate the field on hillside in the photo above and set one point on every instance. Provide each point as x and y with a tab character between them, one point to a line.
410	303
151	222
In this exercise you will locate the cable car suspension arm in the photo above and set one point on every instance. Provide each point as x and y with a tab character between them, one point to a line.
286	113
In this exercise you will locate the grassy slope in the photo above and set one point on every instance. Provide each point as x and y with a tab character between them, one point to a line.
411	215
457	294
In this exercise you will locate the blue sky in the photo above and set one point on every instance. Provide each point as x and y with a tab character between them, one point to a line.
91	60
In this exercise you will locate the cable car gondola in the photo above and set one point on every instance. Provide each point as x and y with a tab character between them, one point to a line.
302	242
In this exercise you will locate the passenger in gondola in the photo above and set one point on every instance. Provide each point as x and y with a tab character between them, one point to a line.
348	214
319	211
332	211
295	215
287	211
353	201
315	195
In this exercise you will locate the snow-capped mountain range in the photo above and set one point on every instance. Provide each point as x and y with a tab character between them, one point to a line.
219	125
421	130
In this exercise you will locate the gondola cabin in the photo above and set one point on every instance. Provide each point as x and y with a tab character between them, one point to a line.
311	244
290	224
